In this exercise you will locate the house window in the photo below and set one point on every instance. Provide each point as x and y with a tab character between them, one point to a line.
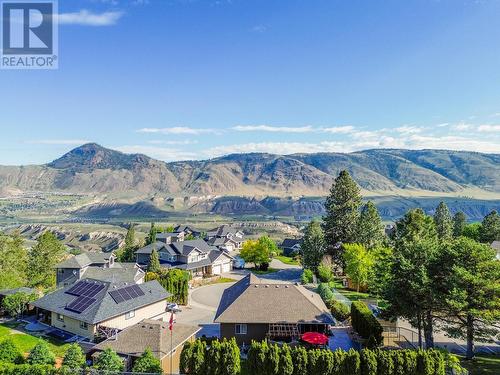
60	317
240	329
84	325
130	314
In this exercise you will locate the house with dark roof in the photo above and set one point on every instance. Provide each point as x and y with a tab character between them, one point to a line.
90	307
291	246
72	269
253	309
153	334
187	230
195	256
226	237
169	237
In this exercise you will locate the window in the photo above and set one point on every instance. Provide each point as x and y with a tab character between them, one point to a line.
240	329
84	325
130	314
60	317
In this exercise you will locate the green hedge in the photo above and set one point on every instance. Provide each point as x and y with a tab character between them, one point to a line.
218	358
325	292
365	323
266	359
13	369
307	276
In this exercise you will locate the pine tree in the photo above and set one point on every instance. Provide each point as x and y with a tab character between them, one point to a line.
154	262
41	354
108	360
459	222
285	363
313	246
151	237
10	353
147	363
42	259
490	229
443	222
127	252
370	229
342	214
74	357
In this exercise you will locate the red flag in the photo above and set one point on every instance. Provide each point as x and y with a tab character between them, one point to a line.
171	321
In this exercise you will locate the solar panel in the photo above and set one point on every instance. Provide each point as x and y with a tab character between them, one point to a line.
85	288
80	304
127	293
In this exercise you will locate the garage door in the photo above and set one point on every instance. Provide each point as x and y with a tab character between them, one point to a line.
216	270
226	267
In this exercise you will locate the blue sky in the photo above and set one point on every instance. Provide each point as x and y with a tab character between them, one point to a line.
197	79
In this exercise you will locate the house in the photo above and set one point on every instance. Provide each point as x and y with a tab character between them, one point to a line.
90	308
290	246
153	334
168	238
226	232
187	230
224	243
253	309
72	269
196	256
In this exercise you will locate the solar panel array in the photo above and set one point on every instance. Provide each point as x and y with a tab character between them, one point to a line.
80	304
85	288
127	293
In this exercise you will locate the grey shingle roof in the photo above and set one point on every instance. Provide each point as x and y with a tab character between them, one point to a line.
105	307
114	275
84	260
148	249
177	248
153	334
251	300
290	242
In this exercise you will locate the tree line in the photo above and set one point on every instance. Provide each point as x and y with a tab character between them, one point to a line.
435	271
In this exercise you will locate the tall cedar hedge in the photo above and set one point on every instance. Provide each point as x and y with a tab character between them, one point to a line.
365	323
270	359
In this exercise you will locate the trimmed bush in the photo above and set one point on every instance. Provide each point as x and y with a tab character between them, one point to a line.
307	276
25	369
364	323
368	362
325	273
325	292
10	353
340	311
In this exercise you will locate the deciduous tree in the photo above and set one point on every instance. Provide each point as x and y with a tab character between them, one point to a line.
15	304
358	264
43	257
13	261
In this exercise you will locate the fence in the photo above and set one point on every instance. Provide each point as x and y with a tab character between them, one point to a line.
400	337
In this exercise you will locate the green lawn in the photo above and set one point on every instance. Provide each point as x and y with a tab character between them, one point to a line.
353	295
223	280
26	342
259	272
287	260
482	365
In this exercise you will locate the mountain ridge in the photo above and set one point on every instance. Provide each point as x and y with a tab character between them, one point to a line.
94	169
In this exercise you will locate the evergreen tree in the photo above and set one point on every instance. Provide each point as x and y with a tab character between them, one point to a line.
41	354
13	261
151	237
10	353
443	222
313	246
472	231
74	357
470	277
108	360
383	257
230	357
127	252
43	257
342	214
196	363
185	358
459	222
147	363
490	228
299	355
154	262
370	229
285	362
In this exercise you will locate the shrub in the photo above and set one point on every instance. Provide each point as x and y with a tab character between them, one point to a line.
299	356
10	353
340	311
325	273
184	359
325	292
352	363
307	276
41	354
364	322
74	357
147	362
25	369
108	360
285	362
368	362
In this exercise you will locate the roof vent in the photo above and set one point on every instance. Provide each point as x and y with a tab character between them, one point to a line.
286	286
277	286
256	285
267	286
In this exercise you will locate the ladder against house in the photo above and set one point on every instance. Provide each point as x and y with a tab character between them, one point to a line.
283	330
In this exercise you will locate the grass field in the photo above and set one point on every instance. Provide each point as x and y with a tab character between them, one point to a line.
482	365
287	260
26	342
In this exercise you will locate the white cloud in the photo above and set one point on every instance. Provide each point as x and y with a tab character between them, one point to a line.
489	128
407	129
273	129
58	141
176	130
185	142
162	153
339	129
462	126
87	18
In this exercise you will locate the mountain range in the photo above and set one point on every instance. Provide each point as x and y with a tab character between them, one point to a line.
93	169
